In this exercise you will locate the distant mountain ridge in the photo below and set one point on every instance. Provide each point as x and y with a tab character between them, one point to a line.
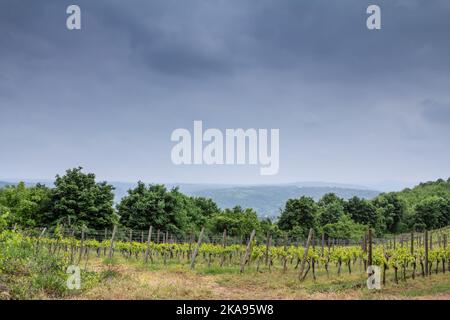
268	200
4	183
413	196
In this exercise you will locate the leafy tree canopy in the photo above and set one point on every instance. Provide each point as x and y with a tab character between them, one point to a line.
301	213
77	199
24	206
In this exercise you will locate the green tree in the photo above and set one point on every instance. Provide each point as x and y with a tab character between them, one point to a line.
432	213
361	211
26	207
237	222
344	228
202	209
392	210
166	210
79	200
331	212
300	214
153	205
330	198
3	219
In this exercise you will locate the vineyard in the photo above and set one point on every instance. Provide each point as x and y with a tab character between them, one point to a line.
400	258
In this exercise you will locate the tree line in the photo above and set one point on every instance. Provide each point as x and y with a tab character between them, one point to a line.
77	199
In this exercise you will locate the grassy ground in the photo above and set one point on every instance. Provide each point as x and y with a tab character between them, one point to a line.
130	279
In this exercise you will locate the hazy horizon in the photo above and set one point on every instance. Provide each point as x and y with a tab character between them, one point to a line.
381	186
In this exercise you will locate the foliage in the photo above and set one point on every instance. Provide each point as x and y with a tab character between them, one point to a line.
344	228
361	211
391	210
432	212
78	199
27	272
331	212
24	206
163	209
237	222
412	197
300	214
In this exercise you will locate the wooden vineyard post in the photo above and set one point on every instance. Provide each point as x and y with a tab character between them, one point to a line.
247	251
86	255
412	242
323	243
142	236
130	240
157	236
194	255
363	248
39	238
268	251
224	238
365	243
72	246
43	232
224	244
267	248
191	240
111	245
285	253
369	252
431	241
312	259
313	241
149	239
81	245
104	248
426	252
305	255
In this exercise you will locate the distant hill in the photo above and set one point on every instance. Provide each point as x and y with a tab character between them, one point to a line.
4	183
412	196
268	200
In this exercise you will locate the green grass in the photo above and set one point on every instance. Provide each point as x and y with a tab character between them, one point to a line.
215	270
434	289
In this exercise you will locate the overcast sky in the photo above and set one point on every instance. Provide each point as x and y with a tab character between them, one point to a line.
352	105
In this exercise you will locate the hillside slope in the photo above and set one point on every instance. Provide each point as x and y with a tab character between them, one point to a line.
412	196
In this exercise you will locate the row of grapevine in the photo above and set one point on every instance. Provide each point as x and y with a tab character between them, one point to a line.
323	258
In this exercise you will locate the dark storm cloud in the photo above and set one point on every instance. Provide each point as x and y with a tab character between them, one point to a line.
110	94
436	112
198	37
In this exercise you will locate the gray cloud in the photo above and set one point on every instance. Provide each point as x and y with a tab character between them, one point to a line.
436	112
